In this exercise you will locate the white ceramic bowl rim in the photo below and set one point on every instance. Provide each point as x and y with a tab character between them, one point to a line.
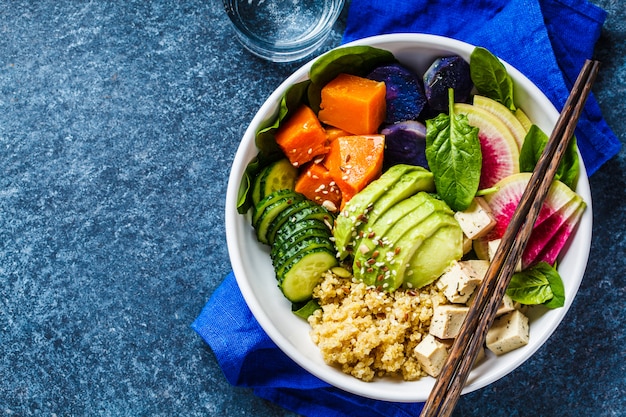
255	277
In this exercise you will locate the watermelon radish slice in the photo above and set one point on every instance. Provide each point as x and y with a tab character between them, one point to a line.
545	238
505	115
499	148
552	248
557	218
523	119
505	200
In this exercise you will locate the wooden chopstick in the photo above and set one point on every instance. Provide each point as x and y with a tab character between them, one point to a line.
449	384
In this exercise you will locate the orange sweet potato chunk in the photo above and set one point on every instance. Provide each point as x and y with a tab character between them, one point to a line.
333	133
355	161
354	104
302	137
317	185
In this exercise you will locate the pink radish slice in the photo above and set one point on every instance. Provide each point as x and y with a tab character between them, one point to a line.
500	151
554	224
553	248
546	235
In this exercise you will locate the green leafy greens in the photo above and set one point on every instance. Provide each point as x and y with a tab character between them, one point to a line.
540	284
454	156
269	151
534	144
491	78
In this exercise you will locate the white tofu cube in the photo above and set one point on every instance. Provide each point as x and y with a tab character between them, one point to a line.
447	320
459	282
480	356
468	244
506	306
477	220
431	354
493	247
479	266
508	332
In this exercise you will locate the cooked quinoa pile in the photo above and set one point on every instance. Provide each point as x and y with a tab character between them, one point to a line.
370	333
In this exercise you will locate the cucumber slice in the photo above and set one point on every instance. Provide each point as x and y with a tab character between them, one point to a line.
304	272
288	232
284	256
256	188
269	208
302	210
267	200
306	233
279	175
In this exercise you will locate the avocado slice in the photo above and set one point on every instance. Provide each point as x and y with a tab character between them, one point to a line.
389	244
393	186
435	254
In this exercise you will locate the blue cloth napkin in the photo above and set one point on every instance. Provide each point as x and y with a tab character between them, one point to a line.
548	40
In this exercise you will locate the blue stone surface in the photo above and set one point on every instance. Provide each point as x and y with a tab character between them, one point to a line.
118	125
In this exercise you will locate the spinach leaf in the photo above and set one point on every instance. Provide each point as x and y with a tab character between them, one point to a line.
540	284
534	144
293	98
265	140
556	284
454	156
355	60
491	78
305	309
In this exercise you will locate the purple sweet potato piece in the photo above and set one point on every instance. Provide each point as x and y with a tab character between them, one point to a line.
405	143
405	95
444	73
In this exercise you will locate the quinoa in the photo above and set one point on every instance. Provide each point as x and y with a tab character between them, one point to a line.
369	333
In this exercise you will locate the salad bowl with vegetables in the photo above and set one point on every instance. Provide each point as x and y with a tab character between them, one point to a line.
394	163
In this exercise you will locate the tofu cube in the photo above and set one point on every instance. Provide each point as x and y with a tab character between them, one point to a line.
477	220
480	356
458	282
447	320
506	306
493	247
508	332
467	245
431	354
479	266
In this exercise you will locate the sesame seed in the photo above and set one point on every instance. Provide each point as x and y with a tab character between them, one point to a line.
329	205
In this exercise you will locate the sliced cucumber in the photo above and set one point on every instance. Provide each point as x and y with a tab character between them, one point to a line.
304	272
269	208
280	247
269	199
285	255
289	231
256	188
279	175
302	210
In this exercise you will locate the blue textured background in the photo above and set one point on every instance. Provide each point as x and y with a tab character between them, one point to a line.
118	124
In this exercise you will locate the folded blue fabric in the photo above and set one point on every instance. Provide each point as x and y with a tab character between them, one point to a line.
548	40
250	359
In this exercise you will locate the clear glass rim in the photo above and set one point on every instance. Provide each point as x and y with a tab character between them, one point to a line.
284	51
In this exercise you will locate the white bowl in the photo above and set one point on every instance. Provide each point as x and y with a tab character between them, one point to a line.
255	275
